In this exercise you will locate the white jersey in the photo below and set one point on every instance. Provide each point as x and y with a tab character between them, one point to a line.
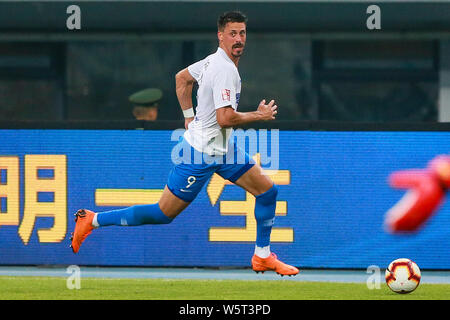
219	85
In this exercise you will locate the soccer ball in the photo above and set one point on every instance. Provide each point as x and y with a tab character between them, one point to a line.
403	275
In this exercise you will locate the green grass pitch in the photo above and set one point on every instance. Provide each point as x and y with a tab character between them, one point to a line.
55	288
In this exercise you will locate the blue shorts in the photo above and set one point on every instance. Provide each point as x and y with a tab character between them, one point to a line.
194	168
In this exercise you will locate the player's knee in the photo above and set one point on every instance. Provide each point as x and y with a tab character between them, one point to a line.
171	211
269	197
265	204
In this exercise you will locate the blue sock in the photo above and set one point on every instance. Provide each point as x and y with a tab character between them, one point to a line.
133	216
265	205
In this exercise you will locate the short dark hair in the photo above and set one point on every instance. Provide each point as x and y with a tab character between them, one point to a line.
230	16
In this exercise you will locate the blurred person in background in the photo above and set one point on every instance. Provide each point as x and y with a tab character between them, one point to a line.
426	191
145	104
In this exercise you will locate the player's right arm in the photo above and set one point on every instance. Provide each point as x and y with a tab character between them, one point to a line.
184	82
227	117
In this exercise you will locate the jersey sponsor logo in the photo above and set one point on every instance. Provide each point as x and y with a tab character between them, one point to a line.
226	95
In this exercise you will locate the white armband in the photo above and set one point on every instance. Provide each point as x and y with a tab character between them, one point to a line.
188	113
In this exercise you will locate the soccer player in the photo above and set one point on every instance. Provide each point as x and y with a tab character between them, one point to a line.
426	192
207	136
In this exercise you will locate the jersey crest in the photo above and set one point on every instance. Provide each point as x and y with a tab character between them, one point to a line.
226	95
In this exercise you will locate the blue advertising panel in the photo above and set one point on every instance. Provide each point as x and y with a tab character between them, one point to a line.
333	195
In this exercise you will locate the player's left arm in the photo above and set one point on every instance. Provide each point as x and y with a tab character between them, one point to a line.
225	84
227	117
184	83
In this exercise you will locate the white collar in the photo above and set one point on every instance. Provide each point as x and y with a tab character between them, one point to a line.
224	54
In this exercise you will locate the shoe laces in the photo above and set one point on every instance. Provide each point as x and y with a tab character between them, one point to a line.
79	214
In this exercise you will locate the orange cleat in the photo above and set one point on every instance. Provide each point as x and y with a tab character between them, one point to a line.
271	263
83	228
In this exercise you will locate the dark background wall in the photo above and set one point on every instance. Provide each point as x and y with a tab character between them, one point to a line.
316	58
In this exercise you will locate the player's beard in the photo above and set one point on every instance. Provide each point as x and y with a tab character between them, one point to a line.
237	46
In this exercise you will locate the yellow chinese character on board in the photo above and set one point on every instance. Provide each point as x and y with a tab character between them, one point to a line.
9	191
54	184
246	208
126	197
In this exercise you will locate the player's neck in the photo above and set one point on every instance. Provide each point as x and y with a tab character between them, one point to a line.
232	58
